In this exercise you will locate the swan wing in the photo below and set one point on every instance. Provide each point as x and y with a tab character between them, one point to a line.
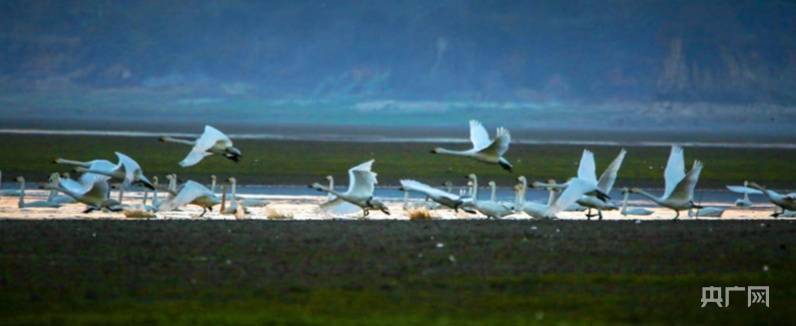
412	185
675	170
130	166
361	180
478	135
608	178
338	206
98	191
586	168
75	187
87	179
212	136
500	145
575	189
744	190
193	157
685	188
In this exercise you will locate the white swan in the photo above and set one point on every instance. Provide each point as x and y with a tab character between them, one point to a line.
126	169
679	187
638	211
587	171
212	141
172	187
484	149
575	188
491	208
35	204
330	178
745	190
191	192
8	192
442	197
248	202
787	202
234	207
91	191
361	183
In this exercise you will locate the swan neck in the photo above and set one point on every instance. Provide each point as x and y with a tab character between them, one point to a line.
178	141
72	162
450	152
474	188
648	195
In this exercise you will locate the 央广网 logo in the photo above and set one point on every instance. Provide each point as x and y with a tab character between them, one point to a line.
714	294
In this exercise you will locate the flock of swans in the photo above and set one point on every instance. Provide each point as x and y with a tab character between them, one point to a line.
582	192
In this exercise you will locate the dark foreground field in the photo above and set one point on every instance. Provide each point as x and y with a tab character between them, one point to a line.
386	272
303	162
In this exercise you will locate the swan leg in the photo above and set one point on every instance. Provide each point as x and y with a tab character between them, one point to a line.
588	214
676	215
600	214
204	211
365	212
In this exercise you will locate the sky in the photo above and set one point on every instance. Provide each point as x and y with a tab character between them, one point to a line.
527	64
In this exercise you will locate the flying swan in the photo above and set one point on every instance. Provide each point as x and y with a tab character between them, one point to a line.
212	141
484	149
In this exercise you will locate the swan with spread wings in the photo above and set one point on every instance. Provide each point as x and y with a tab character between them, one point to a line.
484	149
361	184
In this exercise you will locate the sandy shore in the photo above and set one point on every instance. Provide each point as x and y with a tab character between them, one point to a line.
306	208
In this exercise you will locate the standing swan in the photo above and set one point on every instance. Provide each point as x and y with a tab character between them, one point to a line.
247	202
745	190
491	208
330	178
235	207
35	204
213	182
212	141
632	210
361	183
679	192
484	149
